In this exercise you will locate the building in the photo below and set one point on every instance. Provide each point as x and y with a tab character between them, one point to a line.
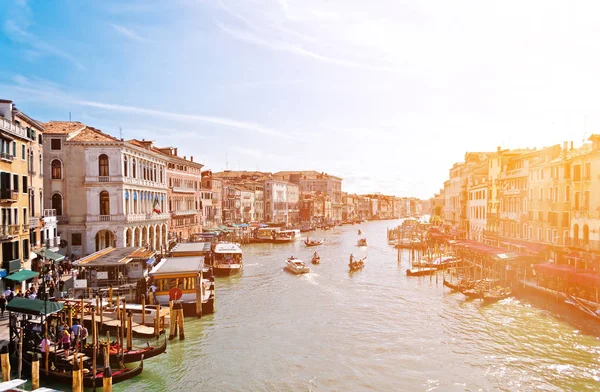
477	203
18	136
281	201
105	191
313	181
184	195
211	199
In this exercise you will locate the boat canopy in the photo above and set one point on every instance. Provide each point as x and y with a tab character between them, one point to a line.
228	248
35	307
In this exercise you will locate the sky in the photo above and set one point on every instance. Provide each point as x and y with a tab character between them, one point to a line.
387	94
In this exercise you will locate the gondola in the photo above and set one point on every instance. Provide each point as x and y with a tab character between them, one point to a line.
357	265
361	242
581	306
490	298
313	243
471	293
130	356
65	376
451	286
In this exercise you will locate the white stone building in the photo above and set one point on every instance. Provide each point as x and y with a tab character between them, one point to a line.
105	191
477	208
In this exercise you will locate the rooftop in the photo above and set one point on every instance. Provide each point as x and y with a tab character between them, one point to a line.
62	127
112	257
178	265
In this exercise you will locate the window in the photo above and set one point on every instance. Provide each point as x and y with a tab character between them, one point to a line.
14	149
540	216
40	140
567	171
55	144
41	166
587	173
539	234
76	239
125	166
565	219
25	246
57	203
586	200
16	182
133	169
22	151
104	203
576	206
567	193
103	166
577	173
56	169
25	187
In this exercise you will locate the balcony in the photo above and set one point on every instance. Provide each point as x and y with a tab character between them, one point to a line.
146	217
184	212
103	179
522	172
52	242
49	213
34	221
13	129
180	189
25	228
8	196
6	157
511	191
104	218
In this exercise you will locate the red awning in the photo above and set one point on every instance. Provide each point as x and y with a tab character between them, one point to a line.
587	279
527	246
550	269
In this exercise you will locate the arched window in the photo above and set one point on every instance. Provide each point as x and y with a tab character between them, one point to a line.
41	164
576	233
555	194
133	169
551	193
56	169
586	234
104	203
525	205
103	166
567	193
125	166
57	203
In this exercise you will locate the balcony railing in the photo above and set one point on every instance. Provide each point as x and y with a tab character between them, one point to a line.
181	189
511	191
25	228
49	213
8	195
104	218
522	172
6	157
103	179
144	217
12	128
52	242
184	212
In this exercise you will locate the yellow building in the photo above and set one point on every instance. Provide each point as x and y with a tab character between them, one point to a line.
15	137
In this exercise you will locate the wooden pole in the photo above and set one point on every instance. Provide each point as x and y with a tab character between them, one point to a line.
94	344
107	380
110	295
82	315
35	371
118	307
20	363
5	364
101	314
180	323
198	298
70	316
77	384
143	309
129	330
173	322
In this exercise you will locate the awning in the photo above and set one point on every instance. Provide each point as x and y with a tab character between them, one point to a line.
151	261
22	275
555	270
36	307
48	254
587	279
2	272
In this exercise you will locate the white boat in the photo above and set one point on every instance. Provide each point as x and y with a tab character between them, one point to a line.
296	266
228	259
267	234
288	236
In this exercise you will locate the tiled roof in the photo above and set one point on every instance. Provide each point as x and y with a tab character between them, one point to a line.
92	135
62	127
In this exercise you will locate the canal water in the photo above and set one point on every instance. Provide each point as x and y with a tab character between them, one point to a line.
375	329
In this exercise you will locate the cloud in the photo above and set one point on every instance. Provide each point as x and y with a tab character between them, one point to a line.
227	122
19	35
277	45
128	33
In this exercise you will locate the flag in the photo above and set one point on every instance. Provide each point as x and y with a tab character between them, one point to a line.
156	207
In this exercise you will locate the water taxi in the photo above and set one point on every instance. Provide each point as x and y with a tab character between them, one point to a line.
296	266
288	235
267	234
227	259
187	274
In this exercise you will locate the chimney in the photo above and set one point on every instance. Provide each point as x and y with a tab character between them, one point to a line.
175	151
184	157
571	144
192	158
499	148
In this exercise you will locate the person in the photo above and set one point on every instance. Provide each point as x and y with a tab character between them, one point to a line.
153	293
75	330
31	295
315	256
45	345
3	302
351	258
83	335
65	342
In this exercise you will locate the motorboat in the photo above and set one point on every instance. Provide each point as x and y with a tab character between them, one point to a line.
316	259
228	259
296	266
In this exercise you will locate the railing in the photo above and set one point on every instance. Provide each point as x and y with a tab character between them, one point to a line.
144	217
184	212
180	189
49	212
139	181
25	227
6	157
8	195
14	229
13	128
103	179
104	218
511	191
522	172
34	221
